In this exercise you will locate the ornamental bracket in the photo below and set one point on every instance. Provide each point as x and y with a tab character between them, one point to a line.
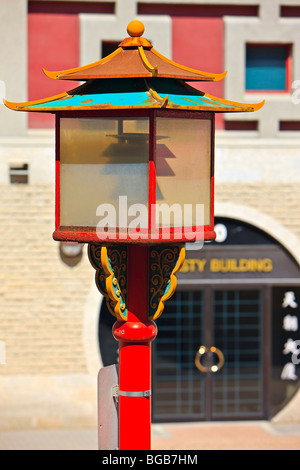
111	268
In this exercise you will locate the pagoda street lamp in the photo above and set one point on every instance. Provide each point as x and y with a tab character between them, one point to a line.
135	180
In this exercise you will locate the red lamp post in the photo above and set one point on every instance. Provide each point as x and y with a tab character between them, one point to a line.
134	180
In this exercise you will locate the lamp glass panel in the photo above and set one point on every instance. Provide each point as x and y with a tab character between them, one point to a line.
103	161
183	172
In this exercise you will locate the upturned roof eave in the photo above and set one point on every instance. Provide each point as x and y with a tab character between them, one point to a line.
147	100
150	62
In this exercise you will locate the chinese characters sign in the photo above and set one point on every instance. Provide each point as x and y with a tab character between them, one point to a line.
291	310
286	333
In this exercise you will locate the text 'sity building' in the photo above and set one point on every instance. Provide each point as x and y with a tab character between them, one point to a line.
238	298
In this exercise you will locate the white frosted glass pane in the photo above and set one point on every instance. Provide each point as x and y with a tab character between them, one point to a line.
183	169
101	161
79	206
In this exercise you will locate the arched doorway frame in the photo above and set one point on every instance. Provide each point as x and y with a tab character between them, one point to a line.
262	221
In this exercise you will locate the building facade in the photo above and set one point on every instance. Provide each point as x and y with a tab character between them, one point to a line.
240	294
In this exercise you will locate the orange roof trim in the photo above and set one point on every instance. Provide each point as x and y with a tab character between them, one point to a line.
135	57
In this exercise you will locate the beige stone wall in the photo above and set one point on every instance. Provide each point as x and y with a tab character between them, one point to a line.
46	380
278	200
41	298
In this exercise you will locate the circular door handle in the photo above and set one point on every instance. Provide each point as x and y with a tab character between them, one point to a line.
216	367
201	351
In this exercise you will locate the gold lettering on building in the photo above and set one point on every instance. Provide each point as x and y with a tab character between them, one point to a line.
229	265
190	265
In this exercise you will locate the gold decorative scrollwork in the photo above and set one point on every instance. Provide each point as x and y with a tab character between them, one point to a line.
110	264
111	276
164	264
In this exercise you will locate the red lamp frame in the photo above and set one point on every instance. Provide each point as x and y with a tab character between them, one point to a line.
176	235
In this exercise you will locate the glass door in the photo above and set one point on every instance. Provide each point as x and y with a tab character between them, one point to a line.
237	389
210	357
178	388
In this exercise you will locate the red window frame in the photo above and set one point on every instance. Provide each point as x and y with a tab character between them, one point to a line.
288	68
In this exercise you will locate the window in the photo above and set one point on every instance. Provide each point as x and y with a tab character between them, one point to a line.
241	125
289	126
18	174
268	67
108	47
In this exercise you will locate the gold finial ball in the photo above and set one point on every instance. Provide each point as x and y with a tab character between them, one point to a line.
135	28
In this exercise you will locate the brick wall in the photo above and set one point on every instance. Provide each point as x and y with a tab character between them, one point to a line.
41	299
279	200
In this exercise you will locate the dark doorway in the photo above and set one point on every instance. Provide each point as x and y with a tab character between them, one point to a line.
229	319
